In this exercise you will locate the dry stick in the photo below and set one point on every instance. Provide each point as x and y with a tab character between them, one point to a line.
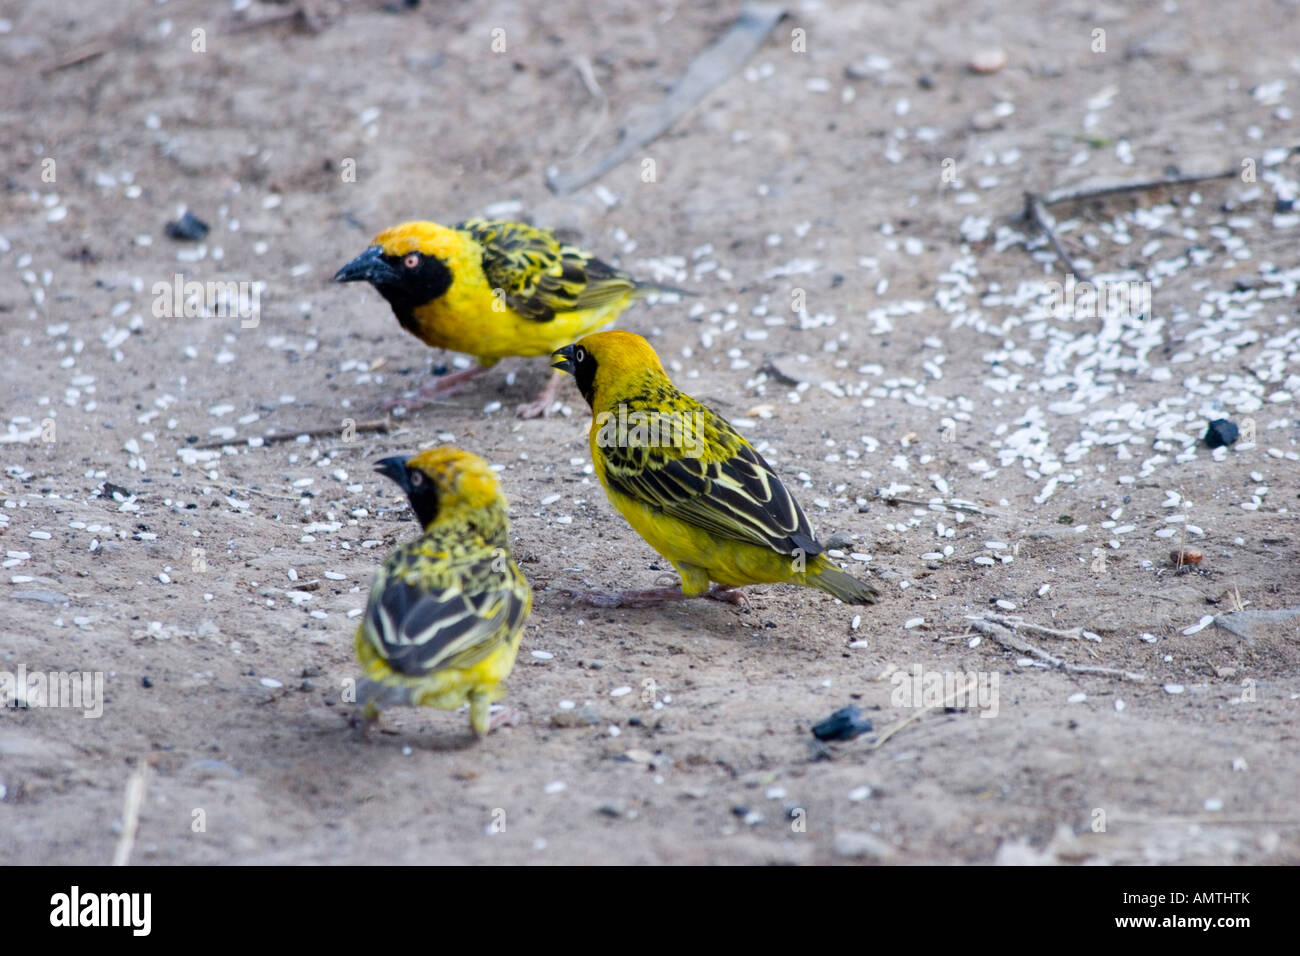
588	75
1205	818
957	691
135	789
246	492
80	55
1074	195
1036	205
969	509
1017	623
382	425
300	14
1036	209
706	71
1008	639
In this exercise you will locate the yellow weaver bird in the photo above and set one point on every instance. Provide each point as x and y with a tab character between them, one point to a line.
493	289
690	485
447	610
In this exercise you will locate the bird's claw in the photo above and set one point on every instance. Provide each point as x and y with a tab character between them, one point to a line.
505	717
537	409
729	596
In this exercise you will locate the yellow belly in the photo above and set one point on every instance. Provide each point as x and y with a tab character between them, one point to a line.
700	557
451	687
475	328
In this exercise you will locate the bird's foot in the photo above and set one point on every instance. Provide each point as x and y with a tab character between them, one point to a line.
539	406
505	717
535	409
728	595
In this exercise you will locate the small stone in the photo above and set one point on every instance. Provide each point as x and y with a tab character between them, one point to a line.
988	61
853	845
1221	433
189	226
845	724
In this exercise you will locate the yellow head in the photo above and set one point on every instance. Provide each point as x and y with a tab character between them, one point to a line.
421	237
445	484
411	265
605	364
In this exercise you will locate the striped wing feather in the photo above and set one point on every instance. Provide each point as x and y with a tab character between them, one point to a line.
420	629
737	497
540	276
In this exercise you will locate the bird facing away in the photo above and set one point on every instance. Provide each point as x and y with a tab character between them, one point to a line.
690	485
447	610
492	289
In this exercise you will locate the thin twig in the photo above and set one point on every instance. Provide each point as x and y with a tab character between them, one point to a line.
953	504
80	55
1036	204
1205	818
1007	637
135	790
708	70
956	692
382	425
227	486
1017	623
1074	195
299	15
1036	209
588	75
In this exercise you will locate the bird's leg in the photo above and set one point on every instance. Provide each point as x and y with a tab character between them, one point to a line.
653	597
505	717
539	406
440	387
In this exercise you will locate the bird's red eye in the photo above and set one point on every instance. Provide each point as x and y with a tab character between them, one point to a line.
412	261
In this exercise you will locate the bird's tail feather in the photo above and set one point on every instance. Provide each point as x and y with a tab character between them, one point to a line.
844	586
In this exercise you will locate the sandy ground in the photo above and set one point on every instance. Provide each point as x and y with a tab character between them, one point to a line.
873	179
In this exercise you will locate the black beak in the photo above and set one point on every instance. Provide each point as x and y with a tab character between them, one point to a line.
395	468
563	359
369	267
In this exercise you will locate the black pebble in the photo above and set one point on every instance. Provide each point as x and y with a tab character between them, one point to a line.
845	724
189	226
1220	433
145	682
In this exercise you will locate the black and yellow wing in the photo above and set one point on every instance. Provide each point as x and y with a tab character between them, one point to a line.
540	276
728	490
454	618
